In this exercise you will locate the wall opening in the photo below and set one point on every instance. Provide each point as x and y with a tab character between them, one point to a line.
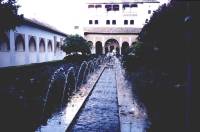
50	48
4	43
42	46
19	43
112	45
57	47
125	47
90	43
106	50
99	47
32	44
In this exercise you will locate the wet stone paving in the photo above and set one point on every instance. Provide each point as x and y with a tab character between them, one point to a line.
100	113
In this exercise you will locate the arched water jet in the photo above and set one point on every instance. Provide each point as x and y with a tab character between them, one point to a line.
105	59
96	63
87	71
91	66
81	72
70	85
101	60
55	79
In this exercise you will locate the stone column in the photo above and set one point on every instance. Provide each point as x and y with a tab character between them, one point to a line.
94	48
54	46
130	41
120	44
37	48
103	44
46	49
12	47
26	41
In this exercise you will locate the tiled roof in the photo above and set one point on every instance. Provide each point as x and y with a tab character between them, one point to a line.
111	30
122	1
43	26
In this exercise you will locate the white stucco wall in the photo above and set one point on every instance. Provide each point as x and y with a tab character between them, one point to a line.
138	14
5	59
13	58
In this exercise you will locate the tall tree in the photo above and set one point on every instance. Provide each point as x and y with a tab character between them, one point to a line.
75	44
166	30
9	15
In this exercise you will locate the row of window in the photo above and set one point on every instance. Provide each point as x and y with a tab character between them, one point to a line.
108	22
95	22
20	44
126	22
114	7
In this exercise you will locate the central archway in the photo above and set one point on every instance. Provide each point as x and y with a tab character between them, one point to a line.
112	45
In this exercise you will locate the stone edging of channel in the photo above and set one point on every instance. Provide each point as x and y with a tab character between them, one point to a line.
84	102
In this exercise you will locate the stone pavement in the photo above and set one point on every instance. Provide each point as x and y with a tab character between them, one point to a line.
133	117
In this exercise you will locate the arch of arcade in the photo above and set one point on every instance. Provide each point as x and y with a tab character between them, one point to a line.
111	41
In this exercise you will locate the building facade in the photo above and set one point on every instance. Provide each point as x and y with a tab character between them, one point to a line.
32	42
113	25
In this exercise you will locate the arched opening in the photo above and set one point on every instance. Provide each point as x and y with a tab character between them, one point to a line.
4	43
99	47
125	47
111	48
90	43
117	50
57	46
91	46
19	43
106	50
42	46
112	45
50	48
32	44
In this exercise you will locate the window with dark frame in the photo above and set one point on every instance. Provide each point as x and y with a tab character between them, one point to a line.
126	6
96	22
90	21
115	7
131	22
90	6
133	5
149	11
125	22
107	22
108	7
98	6
114	22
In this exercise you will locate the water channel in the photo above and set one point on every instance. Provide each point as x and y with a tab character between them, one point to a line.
101	110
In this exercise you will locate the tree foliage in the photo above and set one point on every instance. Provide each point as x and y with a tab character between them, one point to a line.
9	15
169	39
74	44
165	36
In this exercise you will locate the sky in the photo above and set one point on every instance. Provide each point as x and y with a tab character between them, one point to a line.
61	14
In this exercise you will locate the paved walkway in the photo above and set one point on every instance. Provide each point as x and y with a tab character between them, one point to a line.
100	113
132	113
